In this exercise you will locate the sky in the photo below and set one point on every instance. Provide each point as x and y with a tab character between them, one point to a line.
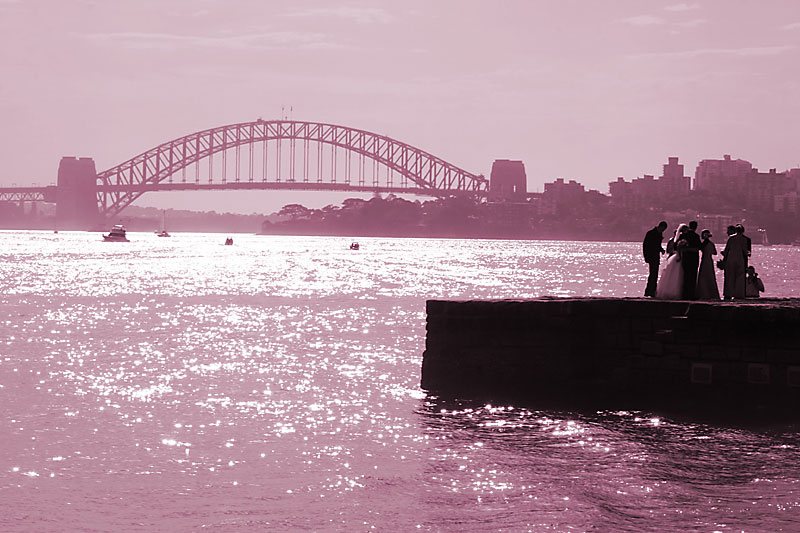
584	90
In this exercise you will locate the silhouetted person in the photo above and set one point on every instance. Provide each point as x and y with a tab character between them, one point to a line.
670	286
652	251
706	277
740	229
735	263
690	259
753	286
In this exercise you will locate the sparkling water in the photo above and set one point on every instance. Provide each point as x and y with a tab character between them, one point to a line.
177	384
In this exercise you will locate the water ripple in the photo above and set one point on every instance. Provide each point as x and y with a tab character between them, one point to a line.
274	384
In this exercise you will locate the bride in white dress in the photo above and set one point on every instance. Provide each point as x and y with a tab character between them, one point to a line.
670	286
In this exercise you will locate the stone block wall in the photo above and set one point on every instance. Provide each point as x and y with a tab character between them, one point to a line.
605	353
76	194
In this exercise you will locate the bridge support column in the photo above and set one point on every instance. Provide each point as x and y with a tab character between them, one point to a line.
76	200
508	182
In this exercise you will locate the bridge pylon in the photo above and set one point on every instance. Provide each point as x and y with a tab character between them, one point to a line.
508	182
76	200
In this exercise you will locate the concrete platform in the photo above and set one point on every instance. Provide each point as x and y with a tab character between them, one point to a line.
612	353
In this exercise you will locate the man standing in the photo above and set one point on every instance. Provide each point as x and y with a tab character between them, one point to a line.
690	259
740	229
652	250
735	255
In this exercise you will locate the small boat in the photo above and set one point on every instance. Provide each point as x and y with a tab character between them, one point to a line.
163	232
764	237
117	234
354	246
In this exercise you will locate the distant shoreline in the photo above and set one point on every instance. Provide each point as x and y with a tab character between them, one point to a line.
356	236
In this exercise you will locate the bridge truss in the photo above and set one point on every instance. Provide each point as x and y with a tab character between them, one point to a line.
283	154
22	194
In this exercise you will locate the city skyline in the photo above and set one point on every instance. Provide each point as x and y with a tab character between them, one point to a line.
585	92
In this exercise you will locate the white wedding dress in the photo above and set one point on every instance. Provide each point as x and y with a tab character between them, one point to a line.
670	285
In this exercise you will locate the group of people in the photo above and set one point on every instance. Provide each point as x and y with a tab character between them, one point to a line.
689	270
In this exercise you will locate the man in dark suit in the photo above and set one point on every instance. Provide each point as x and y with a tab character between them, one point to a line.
652	250
740	229
690	259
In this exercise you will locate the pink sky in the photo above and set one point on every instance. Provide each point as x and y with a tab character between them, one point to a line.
584	90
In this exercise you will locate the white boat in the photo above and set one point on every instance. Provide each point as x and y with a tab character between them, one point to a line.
163	232
117	234
764	237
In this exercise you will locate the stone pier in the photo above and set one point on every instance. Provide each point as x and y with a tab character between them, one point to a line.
609	353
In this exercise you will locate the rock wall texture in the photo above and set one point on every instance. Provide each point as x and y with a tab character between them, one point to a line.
603	353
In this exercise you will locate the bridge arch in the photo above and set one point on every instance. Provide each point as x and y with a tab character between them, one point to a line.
415	171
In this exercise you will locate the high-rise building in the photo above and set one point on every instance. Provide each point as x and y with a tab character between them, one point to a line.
761	189
562	191
794	178
644	191
561	196
725	177
786	203
673	182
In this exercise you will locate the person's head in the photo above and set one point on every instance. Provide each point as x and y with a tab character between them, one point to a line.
731	230
662	226
751	271
739	228
693	225
683	228
706	234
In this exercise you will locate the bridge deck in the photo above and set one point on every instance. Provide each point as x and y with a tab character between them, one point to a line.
48	193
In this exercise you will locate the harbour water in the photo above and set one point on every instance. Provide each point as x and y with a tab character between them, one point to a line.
182	385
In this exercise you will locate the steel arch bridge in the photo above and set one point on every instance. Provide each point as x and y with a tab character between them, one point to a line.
283	154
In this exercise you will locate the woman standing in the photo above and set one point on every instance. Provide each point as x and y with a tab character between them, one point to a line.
706	278
670	286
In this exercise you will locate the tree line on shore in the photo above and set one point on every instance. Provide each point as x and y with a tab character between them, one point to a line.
593	218
463	216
